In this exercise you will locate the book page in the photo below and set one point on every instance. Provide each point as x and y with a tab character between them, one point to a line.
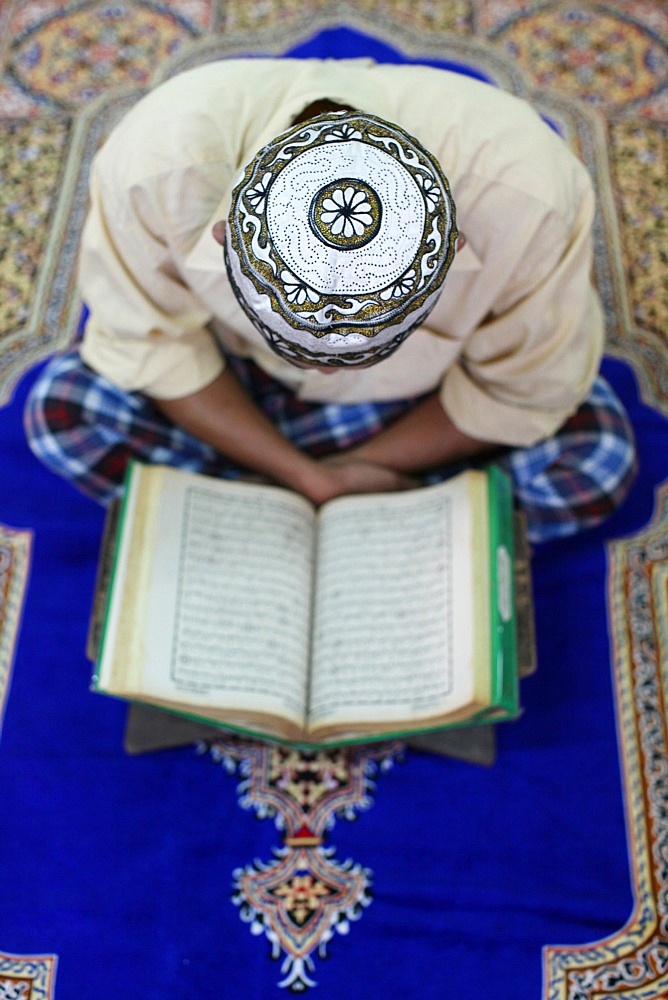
229	605
394	578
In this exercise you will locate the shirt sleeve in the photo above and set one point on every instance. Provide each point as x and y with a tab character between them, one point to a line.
531	362
147	331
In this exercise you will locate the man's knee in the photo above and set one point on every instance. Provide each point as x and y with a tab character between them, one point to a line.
588	469
61	429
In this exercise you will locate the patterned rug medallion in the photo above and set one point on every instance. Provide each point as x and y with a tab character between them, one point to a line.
302	898
599	73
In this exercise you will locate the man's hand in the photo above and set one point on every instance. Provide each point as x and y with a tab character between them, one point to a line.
344	475
223	415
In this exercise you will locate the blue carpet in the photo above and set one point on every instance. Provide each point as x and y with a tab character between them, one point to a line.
122	866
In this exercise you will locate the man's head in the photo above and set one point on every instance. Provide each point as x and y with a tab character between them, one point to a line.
339	236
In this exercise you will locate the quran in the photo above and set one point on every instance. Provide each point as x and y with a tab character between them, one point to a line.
244	606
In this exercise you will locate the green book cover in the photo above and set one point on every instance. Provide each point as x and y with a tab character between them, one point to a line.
505	694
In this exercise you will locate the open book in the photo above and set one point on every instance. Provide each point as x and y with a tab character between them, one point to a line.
242	605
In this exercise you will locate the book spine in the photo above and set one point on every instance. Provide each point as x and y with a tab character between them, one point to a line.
503	610
120	517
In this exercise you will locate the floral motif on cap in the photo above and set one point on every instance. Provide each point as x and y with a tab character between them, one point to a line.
339	237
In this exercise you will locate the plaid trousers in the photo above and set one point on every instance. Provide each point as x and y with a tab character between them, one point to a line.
87	429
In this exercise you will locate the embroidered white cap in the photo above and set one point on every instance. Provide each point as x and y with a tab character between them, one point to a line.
339	236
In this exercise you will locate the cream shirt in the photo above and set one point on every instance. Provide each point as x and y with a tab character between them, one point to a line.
515	339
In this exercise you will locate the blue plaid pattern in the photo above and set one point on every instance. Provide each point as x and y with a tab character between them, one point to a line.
86	429
578	477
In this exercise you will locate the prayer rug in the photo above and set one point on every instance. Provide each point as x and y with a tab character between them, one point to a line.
415	876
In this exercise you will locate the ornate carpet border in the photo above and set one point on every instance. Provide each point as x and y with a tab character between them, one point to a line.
633	963
27	977
54	308
15	550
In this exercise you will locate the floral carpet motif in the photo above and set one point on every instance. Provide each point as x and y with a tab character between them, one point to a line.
613	57
32	157
639	152
304	896
607	55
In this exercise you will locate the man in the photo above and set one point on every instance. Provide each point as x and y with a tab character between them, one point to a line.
181	364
